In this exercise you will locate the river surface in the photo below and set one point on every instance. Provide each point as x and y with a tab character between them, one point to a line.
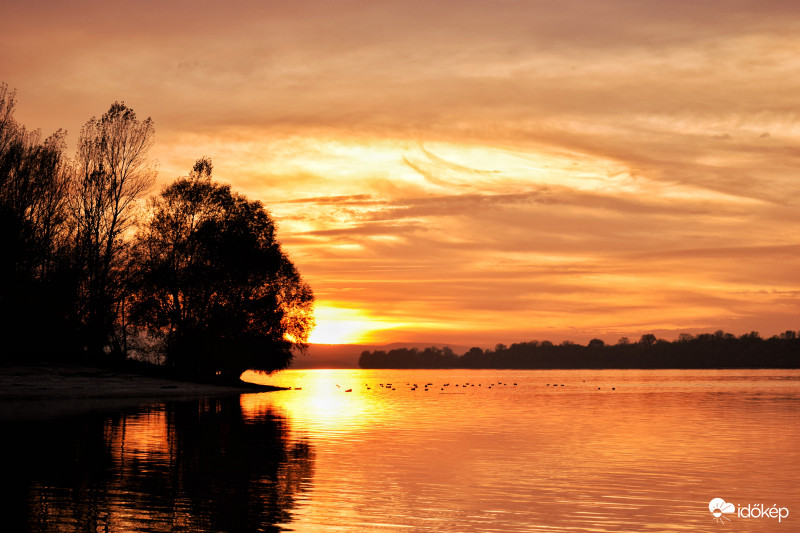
478	451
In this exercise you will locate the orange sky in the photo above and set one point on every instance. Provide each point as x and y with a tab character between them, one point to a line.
469	172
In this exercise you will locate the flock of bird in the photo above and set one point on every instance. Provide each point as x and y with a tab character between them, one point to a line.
428	386
431	386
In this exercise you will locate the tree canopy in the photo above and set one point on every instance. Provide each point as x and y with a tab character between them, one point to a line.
85	262
111	173
212	280
36	296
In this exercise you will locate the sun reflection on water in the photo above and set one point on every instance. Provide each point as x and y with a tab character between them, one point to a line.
325	401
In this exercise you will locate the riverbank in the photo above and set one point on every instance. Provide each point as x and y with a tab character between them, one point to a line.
55	389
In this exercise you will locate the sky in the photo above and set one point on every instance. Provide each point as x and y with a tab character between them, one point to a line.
468	172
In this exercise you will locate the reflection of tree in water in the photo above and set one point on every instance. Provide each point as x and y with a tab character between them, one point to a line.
189	466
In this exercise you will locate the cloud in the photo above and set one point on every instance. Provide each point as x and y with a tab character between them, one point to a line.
507	166
353	199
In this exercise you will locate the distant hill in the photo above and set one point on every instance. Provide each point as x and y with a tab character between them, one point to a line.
346	355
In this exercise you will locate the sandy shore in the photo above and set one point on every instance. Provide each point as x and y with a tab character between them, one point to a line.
58	389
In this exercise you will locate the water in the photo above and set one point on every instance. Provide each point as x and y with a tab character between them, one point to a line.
478	451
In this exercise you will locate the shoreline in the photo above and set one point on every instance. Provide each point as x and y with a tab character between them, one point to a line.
57	389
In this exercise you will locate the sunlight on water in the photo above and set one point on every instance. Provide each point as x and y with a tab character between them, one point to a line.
424	450
541	451
322	403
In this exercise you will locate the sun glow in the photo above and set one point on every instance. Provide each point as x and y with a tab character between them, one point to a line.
339	325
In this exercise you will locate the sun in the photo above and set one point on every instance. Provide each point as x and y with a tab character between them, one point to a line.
339	325
336	332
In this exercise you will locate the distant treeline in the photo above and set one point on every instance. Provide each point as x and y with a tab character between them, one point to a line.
708	350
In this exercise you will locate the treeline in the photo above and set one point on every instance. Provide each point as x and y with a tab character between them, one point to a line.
92	268
708	350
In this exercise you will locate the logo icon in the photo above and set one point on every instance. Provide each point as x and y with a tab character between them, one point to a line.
719	508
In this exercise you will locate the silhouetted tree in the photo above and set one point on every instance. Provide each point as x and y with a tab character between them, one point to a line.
111	173
596	344
213	281
647	339
34	261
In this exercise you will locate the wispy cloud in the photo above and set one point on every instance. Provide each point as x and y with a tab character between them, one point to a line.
487	168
